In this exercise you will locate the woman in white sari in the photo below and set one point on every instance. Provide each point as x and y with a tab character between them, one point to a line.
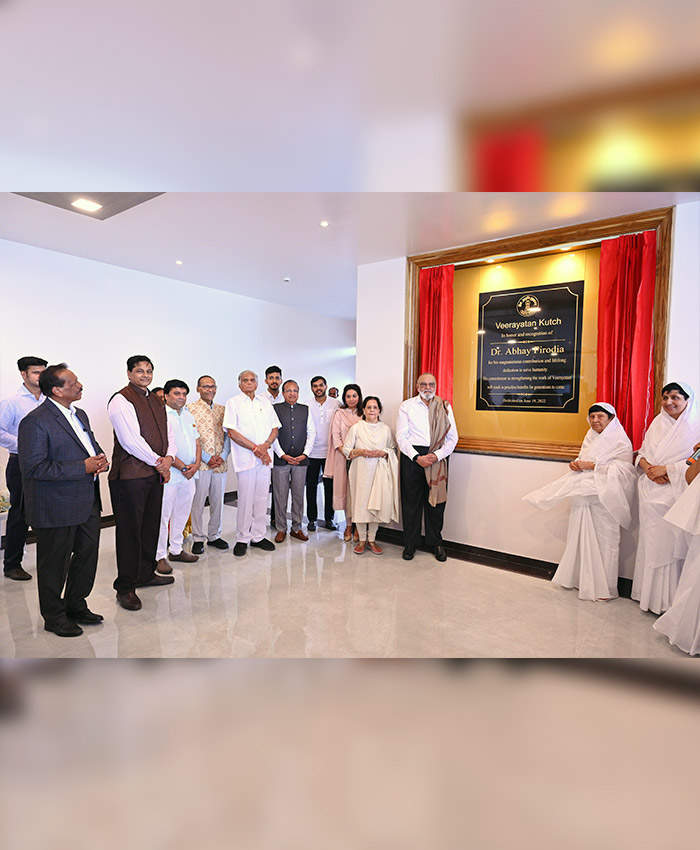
600	484
681	623
373	478
661	458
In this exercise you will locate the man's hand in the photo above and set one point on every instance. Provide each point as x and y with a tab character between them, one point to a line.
215	461
261	451
96	465
191	471
266	459
581	465
426	460
657	474
165	475
163	465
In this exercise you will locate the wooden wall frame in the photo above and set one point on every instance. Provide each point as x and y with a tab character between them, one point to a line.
660	220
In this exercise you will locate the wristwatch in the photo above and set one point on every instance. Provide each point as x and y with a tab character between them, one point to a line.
184	469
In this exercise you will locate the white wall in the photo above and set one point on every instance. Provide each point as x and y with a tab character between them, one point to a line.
485	507
93	316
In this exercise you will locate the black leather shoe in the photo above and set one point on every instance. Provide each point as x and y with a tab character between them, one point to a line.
311	526
240	549
331	526
18	574
197	547
408	553
217	544
440	553
157	581
265	544
86	617
66	629
129	600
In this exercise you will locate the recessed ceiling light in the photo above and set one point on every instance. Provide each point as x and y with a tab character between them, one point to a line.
324	224
178	262
490	260
287	280
481	332
86	205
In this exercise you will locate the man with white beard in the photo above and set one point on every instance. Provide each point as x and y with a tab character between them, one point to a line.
426	434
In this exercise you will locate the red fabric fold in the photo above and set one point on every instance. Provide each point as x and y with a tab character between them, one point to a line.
436	310
626	330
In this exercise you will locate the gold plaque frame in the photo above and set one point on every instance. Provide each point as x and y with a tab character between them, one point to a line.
592	233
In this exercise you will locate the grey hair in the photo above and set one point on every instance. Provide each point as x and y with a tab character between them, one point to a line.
247	372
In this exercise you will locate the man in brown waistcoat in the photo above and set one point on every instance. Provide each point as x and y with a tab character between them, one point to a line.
144	450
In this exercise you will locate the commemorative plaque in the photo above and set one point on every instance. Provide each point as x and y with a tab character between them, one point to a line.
529	353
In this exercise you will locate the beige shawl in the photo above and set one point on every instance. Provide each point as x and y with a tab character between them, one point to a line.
436	474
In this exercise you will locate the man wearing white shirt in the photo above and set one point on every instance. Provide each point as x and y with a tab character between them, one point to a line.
178	493
144	449
321	409
252	426
292	447
60	460
426	434
273	379
12	410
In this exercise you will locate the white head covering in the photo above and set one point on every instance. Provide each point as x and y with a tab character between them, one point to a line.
611	444
670	440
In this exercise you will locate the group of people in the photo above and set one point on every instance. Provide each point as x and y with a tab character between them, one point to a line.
169	458
601	484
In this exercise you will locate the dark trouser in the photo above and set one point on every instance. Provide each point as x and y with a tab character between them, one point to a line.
16	527
67	556
313	473
415	505
136	503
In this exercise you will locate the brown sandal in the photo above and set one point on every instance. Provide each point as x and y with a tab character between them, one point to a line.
376	549
360	548
347	534
356	534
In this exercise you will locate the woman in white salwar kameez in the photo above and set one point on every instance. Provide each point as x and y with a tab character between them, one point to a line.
681	623
600	484
661	459
373	479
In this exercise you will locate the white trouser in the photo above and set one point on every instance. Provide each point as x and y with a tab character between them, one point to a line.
251	516
364	534
209	484
177	502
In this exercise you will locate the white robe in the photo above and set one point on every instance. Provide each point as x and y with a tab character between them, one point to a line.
600	504
662	546
373	481
681	623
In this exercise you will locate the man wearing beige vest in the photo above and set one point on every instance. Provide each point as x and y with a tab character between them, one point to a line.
209	418
144	449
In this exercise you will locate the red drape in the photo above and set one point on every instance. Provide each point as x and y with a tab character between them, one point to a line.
626	330
509	160
436	311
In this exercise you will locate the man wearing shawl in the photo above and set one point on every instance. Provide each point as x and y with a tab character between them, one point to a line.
681	623
600	484
426	434
661	459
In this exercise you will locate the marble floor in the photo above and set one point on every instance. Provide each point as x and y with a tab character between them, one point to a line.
320	600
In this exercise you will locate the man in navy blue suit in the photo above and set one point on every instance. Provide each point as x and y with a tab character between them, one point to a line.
60	461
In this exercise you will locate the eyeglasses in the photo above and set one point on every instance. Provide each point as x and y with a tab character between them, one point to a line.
208	386
422	385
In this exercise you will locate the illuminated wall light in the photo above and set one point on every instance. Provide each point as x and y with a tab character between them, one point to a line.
178	262
490	260
86	205
324	224
481	332
511	340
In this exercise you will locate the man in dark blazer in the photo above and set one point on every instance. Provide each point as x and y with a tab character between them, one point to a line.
60	460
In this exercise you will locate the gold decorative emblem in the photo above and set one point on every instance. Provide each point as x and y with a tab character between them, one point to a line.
528	305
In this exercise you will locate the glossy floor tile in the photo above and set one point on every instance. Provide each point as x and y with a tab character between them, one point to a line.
320	600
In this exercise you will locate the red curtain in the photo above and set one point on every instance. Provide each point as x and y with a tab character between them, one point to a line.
436	311
626	330
509	160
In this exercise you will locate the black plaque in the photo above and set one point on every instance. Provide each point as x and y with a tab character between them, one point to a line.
530	348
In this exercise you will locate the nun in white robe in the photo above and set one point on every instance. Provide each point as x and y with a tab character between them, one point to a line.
662	546
600	484
681	623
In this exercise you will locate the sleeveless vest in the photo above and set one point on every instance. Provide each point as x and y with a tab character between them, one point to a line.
153	425
292	434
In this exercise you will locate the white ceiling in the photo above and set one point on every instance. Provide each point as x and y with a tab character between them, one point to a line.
301	95
248	243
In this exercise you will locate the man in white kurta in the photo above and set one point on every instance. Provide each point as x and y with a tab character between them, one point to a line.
252	426
600	484
178	493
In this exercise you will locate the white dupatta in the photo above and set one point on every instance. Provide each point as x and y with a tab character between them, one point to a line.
612	480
